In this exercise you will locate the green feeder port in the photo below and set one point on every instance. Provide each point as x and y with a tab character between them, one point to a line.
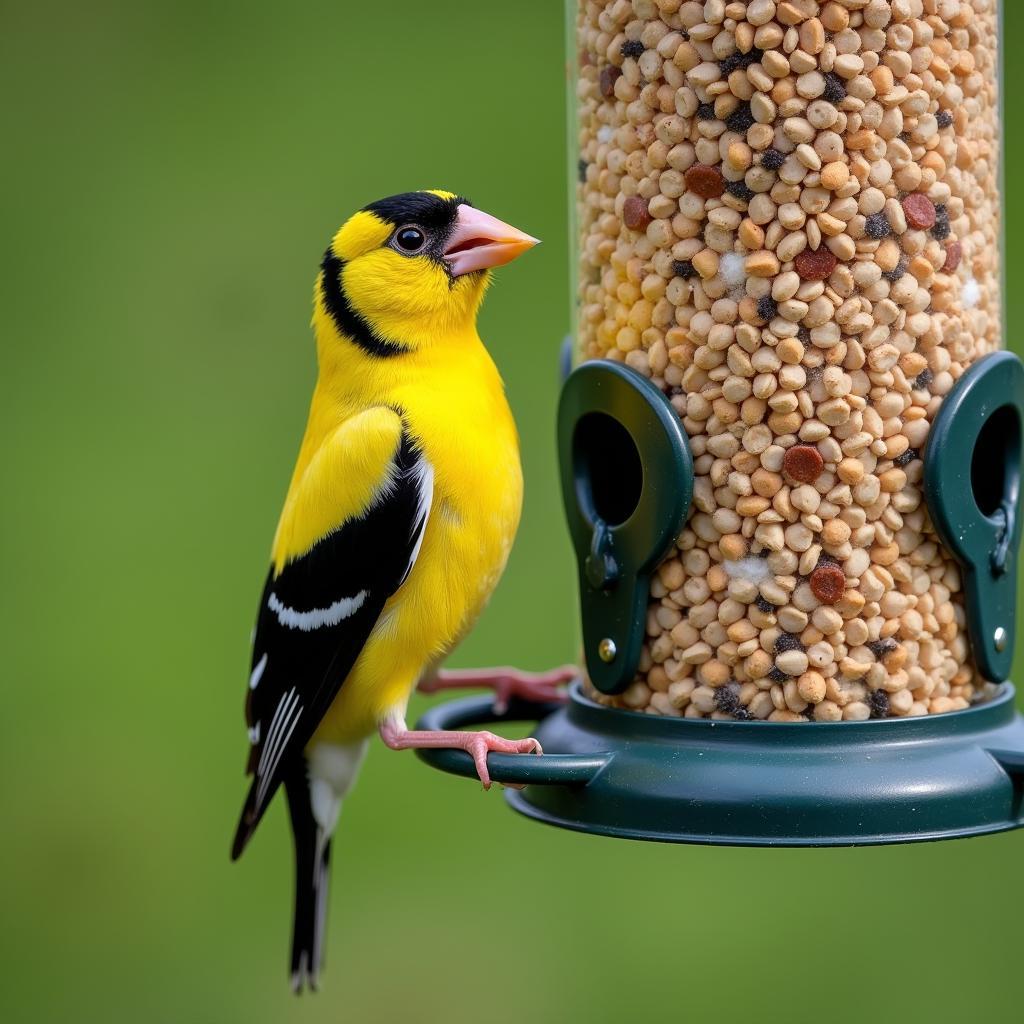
627	482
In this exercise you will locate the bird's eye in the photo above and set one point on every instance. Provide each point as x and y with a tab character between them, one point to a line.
410	238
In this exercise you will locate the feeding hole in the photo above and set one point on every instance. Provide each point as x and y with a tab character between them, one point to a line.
606	462
995	464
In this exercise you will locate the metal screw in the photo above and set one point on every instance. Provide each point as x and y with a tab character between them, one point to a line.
1000	638
606	649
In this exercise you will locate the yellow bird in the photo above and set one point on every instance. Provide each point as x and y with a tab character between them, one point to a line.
395	530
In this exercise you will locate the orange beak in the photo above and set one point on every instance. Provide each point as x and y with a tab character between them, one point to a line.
479	241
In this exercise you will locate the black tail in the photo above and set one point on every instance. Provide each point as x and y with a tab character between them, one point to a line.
312	869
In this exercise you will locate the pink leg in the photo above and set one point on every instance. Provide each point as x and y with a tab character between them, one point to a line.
538	687
395	734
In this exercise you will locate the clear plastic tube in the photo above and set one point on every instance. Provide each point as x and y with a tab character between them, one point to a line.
787	214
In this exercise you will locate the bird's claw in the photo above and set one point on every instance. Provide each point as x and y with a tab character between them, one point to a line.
533	687
507	684
479	744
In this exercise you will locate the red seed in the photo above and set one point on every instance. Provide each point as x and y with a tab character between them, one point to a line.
706	181
920	211
635	213
954	254
815	264
803	462
828	582
609	75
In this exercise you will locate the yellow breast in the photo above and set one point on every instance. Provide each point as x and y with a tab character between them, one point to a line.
454	405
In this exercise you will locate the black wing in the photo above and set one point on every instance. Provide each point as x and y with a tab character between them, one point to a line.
314	619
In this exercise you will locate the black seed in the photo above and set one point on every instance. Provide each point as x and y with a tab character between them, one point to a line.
878	701
892	276
776	675
764	605
739	60
906	458
740	190
631	48
741	714
945	118
880	648
923	381
683	268
835	89
824	559
772	159
877	226
788	642
740	119
581	170
706	112
803	335
727	698
730	64
940	229
767	308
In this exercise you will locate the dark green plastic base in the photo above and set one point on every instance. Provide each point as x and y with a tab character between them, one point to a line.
680	780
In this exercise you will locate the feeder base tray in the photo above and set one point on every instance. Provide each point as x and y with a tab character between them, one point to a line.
681	780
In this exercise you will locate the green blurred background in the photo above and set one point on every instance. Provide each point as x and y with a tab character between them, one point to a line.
172	173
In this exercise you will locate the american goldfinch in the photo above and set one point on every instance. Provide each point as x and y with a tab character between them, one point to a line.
395	530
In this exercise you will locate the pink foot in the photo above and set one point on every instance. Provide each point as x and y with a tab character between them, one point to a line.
537	687
476	744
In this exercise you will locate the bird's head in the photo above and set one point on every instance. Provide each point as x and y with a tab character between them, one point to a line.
411	269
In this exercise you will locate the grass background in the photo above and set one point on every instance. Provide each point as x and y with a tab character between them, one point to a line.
171	174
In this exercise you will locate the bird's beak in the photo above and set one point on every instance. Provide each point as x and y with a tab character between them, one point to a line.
479	241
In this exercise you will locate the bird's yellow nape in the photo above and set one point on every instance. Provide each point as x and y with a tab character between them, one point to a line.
361	233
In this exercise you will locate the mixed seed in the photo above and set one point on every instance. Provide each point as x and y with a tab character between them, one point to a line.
789	220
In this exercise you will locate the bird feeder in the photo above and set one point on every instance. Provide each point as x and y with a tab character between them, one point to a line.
790	447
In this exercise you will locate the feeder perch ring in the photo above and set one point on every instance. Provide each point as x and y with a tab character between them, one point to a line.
684	780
